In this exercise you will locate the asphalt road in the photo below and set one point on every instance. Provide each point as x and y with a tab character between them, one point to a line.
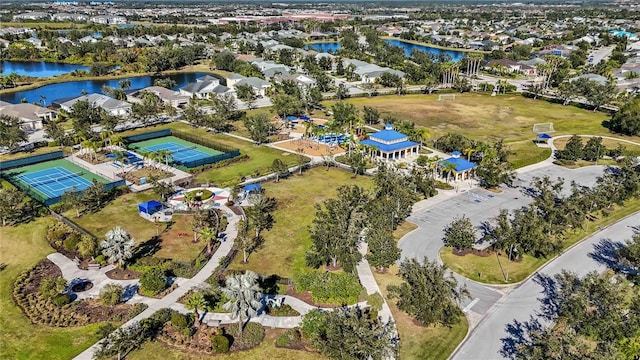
479	206
485	341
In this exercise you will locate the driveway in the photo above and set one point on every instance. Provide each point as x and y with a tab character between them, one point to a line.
522	303
479	205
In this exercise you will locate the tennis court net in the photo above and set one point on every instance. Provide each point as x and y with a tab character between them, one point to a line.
183	149
57	179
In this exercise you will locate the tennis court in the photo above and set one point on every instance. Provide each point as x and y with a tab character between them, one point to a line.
182	152
49	180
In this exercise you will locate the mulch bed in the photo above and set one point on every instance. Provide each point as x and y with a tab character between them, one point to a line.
42	311
200	341
122	274
307	297
236	209
481	253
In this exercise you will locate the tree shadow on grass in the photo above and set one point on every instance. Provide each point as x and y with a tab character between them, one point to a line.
147	248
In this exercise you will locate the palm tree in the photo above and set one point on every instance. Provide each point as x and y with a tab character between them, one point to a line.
469	152
117	246
244	295
208	234
164	155
194	302
124	84
123	159
116	139
449	168
433	164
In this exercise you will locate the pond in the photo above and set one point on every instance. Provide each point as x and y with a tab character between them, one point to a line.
75	88
408	47
38	68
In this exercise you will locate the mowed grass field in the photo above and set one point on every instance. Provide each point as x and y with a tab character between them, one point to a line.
489	118
283	252
21	247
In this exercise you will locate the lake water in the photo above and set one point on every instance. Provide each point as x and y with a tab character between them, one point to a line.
74	88
408	47
38	68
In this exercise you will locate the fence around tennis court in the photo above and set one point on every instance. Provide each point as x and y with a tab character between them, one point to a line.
227	152
28	160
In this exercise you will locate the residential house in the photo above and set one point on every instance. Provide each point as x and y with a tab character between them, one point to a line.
259	86
204	88
592	77
69	17
108	20
369	73
303	81
30	115
34	15
168	97
35	42
110	105
270	68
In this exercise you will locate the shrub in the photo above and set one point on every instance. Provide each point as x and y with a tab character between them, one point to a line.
111	294
252	334
375	300
51	286
61	299
180	321
335	288
88	246
163	315
106	329
291	337
220	344
137	309
100	259
153	280
314	322
71	242
283	341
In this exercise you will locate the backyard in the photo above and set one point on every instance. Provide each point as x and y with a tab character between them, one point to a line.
285	245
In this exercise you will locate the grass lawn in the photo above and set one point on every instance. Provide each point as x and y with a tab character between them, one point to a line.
403	229
21	247
471	265
267	350
420	342
607	143
285	245
483	117
258	164
123	212
525	153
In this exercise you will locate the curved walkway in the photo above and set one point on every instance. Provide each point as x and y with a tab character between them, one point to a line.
98	277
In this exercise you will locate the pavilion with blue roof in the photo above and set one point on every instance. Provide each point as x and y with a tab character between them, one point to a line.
389	144
460	168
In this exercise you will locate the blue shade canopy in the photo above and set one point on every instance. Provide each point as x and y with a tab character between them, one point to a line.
544	136
150	207
252	187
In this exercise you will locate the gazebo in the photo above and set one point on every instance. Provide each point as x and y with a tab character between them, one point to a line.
462	169
389	144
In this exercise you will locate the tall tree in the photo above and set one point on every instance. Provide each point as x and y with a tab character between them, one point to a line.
627	119
349	333
260	213
73	199
337	228
10	199
259	127
428	293
11	132
460	234
244	293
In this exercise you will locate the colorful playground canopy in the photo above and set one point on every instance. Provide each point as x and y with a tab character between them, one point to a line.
150	207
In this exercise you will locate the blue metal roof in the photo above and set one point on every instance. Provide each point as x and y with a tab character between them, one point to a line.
389	135
544	136
460	163
389	148
252	187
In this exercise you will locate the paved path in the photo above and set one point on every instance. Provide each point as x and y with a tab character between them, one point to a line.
522	303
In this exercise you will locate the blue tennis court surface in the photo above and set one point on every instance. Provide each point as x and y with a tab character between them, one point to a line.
54	182
179	153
